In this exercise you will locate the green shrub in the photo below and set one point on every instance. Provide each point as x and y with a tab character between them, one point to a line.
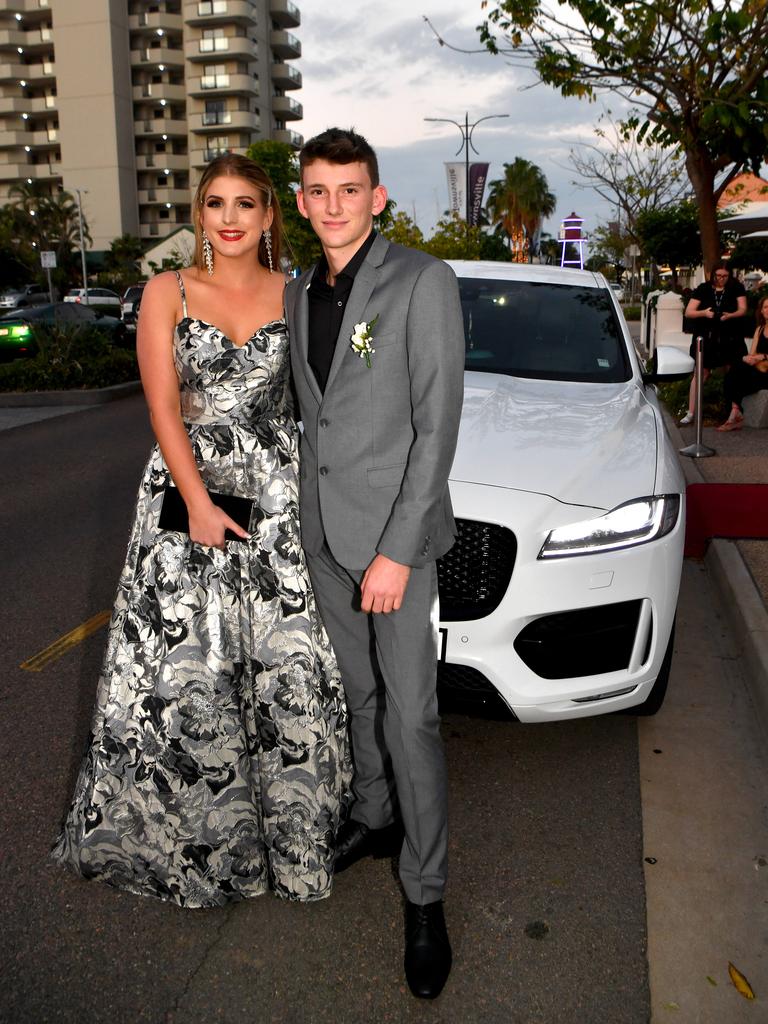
67	359
631	312
675	397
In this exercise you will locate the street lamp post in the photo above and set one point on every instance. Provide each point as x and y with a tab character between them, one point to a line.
77	191
466	130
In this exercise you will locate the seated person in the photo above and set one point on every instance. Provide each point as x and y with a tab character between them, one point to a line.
750	374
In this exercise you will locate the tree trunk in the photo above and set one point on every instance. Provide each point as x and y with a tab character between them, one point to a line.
702	178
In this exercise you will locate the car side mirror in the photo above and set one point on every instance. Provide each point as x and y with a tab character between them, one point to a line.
668	364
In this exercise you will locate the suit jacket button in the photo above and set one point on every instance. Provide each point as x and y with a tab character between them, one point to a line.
323	471
323	423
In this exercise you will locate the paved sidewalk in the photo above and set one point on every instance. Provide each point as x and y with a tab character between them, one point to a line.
739	568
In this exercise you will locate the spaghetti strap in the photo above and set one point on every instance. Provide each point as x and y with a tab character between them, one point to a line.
183	293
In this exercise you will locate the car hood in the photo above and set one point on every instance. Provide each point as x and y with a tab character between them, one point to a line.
583	444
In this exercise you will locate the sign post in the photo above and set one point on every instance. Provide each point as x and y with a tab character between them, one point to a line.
48	262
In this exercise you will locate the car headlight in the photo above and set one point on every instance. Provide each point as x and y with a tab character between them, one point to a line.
636	522
20	332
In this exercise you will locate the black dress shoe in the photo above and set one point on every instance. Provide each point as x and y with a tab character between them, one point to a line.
428	955
355	840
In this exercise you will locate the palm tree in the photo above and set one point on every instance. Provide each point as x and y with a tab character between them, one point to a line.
46	221
519	202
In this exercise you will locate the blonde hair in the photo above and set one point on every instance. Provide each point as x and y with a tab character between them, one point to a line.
236	166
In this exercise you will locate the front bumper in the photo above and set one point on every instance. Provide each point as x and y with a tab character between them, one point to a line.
609	614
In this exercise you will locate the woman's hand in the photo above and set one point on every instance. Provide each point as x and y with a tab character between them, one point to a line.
753	360
208	524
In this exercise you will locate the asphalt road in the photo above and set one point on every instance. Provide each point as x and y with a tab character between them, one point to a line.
546	906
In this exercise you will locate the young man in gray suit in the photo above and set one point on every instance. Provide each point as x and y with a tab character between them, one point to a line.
377	349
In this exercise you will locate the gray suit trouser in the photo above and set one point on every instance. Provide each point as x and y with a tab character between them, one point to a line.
395	728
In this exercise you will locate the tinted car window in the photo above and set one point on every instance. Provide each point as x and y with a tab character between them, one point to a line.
542	330
36	313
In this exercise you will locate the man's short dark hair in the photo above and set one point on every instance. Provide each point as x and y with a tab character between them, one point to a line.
340	146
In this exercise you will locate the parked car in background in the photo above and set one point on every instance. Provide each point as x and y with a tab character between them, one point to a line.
17	328
131	301
618	290
559	595
96	297
23	296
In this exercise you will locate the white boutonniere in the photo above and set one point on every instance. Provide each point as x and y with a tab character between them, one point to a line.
362	338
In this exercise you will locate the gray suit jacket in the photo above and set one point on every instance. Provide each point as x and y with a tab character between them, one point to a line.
378	445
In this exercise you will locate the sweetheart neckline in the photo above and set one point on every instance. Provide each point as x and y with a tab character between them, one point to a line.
226	337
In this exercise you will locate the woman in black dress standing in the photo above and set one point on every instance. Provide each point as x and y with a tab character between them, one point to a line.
750	374
716	310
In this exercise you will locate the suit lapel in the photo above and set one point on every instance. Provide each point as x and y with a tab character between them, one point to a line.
301	319
366	280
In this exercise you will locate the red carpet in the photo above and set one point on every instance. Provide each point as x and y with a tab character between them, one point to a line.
738	511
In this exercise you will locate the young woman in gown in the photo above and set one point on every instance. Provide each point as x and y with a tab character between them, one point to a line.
218	759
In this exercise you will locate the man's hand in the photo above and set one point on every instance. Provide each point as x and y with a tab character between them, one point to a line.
383	585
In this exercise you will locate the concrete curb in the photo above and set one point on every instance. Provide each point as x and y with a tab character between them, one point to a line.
742	601
95	396
746	615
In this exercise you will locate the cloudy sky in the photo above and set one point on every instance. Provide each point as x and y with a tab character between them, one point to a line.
377	66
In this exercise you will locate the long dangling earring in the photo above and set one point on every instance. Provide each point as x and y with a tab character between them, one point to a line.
207	254
268	244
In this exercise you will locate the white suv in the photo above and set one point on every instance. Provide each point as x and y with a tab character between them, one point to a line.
559	595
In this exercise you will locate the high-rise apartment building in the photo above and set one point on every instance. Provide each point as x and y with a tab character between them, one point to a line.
127	100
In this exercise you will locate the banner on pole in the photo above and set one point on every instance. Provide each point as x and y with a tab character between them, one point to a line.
456	174
478	174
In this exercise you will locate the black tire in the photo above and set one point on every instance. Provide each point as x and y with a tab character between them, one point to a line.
655	698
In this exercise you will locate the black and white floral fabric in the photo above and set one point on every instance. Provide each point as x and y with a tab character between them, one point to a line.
218	761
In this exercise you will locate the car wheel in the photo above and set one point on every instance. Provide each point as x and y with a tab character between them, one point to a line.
655	698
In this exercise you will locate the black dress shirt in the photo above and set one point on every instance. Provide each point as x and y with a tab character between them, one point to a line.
326	310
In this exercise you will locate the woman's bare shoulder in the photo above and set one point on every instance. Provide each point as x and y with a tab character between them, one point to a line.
162	286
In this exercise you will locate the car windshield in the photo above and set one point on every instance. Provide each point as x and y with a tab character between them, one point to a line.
542	330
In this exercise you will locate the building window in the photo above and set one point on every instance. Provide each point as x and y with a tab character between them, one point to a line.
218	145
214	77
213	40
211	7
216	113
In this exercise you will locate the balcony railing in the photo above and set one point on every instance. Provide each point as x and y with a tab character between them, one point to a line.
287	107
208	12
214	81
217	117
284	13
286	76
289	136
215	45
162	161
225	83
285	44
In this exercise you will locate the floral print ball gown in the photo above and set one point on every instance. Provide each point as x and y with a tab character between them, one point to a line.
218	759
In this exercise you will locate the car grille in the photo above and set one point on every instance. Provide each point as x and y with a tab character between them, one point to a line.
474	575
462	688
584	642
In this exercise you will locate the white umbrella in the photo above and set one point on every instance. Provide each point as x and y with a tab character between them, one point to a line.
753	218
756	234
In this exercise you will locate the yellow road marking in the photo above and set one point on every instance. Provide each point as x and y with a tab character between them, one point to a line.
65	643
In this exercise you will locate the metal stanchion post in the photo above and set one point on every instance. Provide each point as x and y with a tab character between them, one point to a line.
697	450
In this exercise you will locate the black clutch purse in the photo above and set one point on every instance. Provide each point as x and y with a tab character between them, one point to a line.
174	515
